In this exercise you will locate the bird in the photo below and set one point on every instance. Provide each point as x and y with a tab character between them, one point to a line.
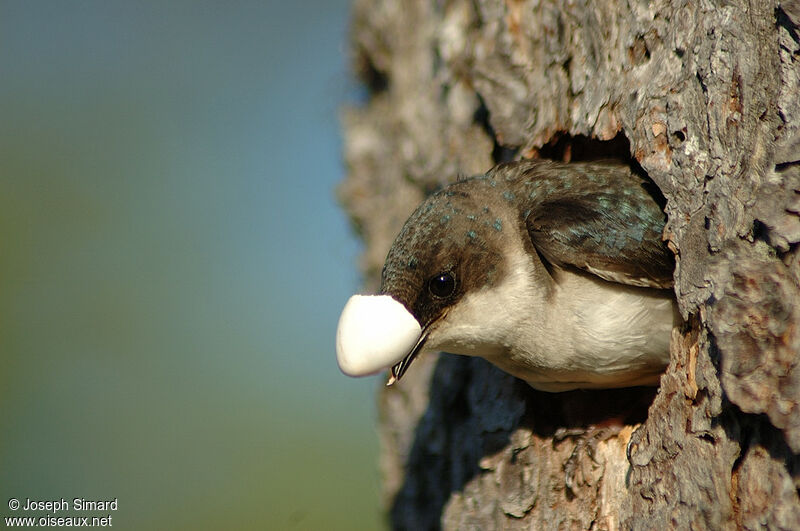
555	272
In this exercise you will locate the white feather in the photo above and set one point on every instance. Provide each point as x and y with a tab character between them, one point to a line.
585	333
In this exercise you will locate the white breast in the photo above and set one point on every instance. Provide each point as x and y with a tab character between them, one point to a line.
583	333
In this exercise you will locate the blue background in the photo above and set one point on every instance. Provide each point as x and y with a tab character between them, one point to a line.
173	263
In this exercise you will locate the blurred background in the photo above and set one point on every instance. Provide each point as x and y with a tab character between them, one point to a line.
173	262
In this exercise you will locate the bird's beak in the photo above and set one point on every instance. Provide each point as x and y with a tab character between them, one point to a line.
400	368
376	332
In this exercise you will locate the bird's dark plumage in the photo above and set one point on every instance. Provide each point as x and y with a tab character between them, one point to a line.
597	217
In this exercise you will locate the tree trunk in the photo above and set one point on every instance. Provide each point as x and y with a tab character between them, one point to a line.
701	95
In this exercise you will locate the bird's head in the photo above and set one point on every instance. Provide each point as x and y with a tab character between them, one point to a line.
446	250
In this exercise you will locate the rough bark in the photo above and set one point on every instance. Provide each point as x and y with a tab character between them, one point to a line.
704	97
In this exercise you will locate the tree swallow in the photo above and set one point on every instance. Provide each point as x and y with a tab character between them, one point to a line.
555	272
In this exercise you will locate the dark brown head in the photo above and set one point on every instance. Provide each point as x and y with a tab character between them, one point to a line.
451	246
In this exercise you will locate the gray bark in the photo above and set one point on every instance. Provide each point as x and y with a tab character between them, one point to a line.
703	95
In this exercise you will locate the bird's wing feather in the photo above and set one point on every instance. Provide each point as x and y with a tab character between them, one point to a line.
613	232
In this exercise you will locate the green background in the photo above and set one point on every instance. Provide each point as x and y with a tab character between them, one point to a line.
172	265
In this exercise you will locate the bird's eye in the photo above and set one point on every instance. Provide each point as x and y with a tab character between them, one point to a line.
442	285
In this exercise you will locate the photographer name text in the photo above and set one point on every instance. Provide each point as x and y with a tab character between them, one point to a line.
77	504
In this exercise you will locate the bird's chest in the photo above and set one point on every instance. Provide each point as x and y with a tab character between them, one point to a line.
597	334
586	333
